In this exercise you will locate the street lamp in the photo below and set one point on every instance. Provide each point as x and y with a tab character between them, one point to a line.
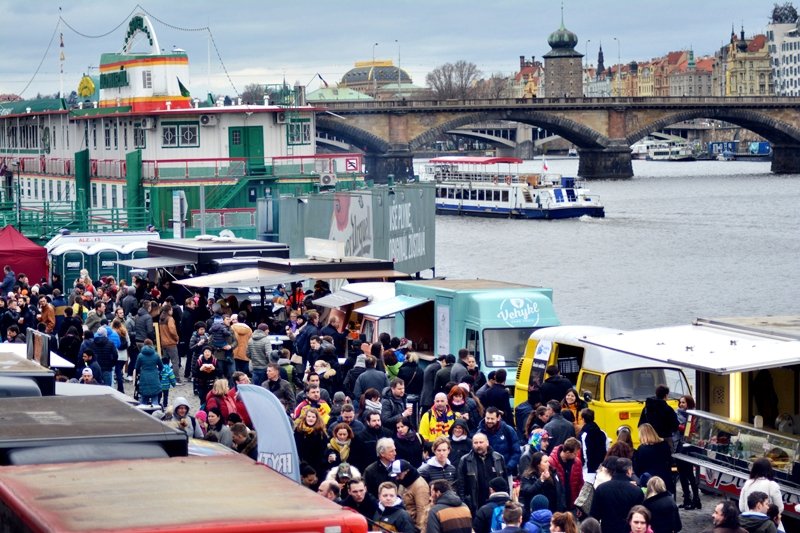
586	52
619	68
398	67
372	70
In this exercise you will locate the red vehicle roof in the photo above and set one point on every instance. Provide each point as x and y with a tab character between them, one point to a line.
468	160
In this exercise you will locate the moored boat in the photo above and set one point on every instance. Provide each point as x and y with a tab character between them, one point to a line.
670	151
493	187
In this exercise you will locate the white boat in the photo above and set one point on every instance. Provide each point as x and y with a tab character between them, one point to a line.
639	149
492	187
670	151
572	152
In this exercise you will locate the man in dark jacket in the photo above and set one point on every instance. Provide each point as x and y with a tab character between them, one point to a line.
428	384
497	396
279	387
412	375
443	375
129	302
476	469
144	325
658	413
448	514
565	460
358	499
380	470
498	496
348	416
554	387
371	378
557	426
502	437
614	498
460	366
593	442
105	353
393	404
755	519
362	449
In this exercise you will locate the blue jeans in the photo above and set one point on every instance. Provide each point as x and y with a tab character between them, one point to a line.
118	375
259	376
108	377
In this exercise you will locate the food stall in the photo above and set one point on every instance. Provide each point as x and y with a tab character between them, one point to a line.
747	395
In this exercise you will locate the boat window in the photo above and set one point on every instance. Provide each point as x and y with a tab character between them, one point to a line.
640	383
571	195
496	196
559	194
504	196
504	347
481	195
473	194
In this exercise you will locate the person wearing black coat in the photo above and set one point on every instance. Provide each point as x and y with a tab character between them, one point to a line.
664	514
555	387
653	456
411	374
428	385
407	442
540	478
497	396
659	414
593	443
614	498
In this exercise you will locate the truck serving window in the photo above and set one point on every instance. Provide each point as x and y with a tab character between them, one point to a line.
640	383
504	347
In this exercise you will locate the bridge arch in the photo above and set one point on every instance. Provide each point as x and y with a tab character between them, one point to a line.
358	137
578	134
772	129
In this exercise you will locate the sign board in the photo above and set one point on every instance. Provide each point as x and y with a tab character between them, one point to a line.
324	248
351	164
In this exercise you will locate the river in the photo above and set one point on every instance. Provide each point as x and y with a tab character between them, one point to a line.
679	241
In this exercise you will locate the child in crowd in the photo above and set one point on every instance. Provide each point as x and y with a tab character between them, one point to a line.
168	381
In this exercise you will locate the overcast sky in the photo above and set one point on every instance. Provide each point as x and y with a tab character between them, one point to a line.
268	41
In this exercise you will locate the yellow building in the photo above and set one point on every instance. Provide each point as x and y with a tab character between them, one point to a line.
645	79
746	67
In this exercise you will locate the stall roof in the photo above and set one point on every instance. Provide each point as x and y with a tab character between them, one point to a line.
241	277
704	346
391	306
339	299
155	262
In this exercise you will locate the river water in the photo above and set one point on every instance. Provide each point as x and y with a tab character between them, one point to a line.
679	241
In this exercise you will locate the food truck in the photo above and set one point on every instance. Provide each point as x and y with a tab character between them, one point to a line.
747	395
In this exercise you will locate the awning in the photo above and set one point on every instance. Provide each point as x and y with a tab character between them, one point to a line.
704	348
339	299
391	306
242	277
154	262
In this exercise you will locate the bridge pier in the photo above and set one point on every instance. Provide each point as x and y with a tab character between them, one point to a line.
398	163
524	150
608	163
785	159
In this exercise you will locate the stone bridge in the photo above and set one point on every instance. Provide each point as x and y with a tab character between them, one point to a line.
602	129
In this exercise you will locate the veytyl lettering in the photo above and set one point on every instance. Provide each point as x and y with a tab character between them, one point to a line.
516	310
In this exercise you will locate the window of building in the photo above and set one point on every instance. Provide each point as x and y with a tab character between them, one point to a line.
113	196
189	135
93	199
36	188
94	136
183	135
298	132
124	197
139	137
107	135
147	79
104	196
169	136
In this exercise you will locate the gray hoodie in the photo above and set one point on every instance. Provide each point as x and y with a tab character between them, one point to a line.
258	349
192	428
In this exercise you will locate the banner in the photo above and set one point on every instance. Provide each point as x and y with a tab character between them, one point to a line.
276	447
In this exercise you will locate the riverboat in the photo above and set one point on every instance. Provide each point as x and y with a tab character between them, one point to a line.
139	149
670	151
492	187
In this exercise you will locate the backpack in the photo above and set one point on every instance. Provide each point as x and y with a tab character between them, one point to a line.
497	518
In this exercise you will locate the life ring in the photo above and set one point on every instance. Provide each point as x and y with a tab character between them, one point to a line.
494	180
43	164
124	169
93	167
508	180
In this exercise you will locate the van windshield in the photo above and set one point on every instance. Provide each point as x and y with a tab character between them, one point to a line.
638	384
504	347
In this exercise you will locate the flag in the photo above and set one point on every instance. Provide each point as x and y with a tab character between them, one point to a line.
544	164
323	80
182	87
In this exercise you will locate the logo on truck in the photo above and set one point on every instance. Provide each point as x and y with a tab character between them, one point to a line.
519	312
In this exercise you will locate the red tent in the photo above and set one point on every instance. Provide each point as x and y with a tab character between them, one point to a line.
22	255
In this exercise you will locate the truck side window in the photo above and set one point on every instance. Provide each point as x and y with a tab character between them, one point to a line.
590	383
472	343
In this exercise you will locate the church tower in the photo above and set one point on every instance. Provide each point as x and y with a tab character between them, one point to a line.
563	66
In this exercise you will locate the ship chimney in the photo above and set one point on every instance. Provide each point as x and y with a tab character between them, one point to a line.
521	62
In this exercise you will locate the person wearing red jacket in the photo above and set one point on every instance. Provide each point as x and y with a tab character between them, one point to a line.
566	460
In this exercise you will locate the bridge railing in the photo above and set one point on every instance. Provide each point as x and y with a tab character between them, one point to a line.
676	101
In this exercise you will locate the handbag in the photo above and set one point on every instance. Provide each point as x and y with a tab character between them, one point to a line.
584	500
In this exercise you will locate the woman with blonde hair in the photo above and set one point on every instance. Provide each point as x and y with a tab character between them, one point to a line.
122	351
218	397
664	514
653	456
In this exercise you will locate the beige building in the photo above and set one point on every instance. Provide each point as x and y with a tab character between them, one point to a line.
645	79
743	68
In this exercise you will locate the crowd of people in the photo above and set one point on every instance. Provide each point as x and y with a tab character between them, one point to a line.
411	446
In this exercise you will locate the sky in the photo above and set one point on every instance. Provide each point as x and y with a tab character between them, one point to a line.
268	42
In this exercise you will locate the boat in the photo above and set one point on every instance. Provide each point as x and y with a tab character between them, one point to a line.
639	149
670	151
726	156
138	149
572	152
492	187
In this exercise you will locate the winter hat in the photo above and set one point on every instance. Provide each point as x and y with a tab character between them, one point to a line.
361	361
263	327
202	416
539	502
339	397
536	440
498	484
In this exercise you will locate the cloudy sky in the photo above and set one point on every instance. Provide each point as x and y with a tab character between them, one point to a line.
266	41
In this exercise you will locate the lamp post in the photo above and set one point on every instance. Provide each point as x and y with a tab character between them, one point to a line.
398	67
619	68
372	72
586	52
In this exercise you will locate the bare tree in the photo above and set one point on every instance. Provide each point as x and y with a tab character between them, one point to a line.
253	94
784	13
453	80
495	87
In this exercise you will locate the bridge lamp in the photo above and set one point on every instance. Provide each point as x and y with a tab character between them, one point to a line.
374	81
619	68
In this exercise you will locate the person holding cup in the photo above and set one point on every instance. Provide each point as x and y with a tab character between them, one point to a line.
395	405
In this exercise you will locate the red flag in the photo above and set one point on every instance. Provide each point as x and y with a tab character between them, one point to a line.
544	164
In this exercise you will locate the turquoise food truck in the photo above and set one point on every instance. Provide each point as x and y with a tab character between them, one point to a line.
492	319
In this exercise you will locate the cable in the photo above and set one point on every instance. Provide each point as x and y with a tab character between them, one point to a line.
52	38
118	26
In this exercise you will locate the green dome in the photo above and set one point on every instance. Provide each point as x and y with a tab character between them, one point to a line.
562	38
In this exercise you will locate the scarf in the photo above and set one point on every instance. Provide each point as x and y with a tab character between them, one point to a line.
372	405
342	448
302	427
459	438
410	435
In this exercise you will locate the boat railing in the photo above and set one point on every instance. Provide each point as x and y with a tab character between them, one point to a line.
222	169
